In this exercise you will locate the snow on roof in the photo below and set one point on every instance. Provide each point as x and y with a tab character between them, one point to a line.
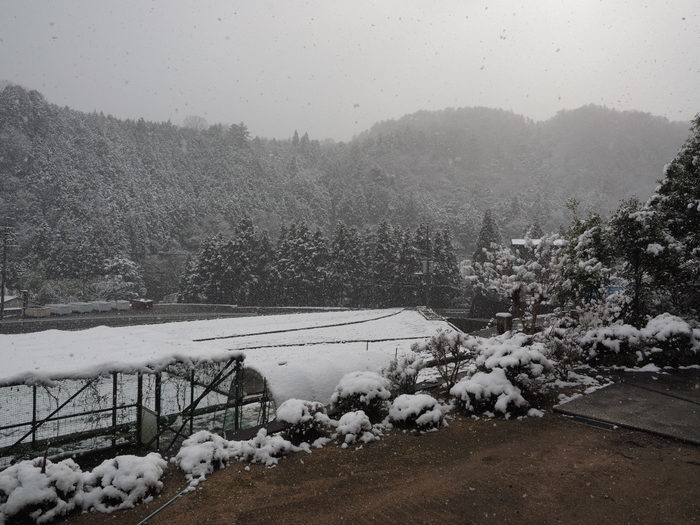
305	362
536	242
523	242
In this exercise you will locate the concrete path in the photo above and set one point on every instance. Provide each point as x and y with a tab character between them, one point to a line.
663	404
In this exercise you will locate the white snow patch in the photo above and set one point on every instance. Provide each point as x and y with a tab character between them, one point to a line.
651	367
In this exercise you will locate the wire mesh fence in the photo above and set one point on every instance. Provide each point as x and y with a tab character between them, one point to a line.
152	411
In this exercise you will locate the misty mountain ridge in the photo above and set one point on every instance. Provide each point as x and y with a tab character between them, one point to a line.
84	187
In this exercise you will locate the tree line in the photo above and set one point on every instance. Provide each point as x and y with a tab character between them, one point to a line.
385	266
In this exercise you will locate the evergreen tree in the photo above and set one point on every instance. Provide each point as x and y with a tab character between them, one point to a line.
584	270
347	267
300	266
261	292
534	231
446	280
638	244
488	236
407	283
385	261
209	271
676	204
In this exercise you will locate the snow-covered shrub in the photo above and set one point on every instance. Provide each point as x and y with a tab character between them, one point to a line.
355	426
307	420
450	350
204	452
262	448
366	391
416	410
122	482
29	494
489	392
674	341
521	358
562	349
201	454
666	340
402	373
619	344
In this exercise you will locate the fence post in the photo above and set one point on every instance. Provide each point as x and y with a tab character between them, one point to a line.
114	409
139	404
191	401
157	400
238	391
34	416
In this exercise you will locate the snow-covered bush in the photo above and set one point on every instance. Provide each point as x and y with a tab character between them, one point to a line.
307	420
619	344
416	410
489	392
355	426
402	373
521	358
450	350
122	482
366	391
262	448
31	494
204	452
666	340
201	454
674	341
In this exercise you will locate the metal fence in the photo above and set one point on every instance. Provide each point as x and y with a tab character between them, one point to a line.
144	410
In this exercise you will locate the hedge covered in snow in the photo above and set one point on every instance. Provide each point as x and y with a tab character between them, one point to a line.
666	340
33	492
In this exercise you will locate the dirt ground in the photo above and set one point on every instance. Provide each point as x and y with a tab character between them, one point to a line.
549	470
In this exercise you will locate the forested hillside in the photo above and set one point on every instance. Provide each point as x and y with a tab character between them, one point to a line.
88	194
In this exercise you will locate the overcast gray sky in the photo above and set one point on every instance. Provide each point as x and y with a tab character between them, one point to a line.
334	68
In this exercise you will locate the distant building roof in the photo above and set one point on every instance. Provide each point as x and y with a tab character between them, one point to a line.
523	242
536	242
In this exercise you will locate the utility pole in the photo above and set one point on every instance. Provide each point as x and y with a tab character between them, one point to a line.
428	277
5	233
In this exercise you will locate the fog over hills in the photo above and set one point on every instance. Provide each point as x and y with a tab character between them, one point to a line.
81	188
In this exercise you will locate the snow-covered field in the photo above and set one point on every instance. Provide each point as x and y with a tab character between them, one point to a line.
304	356
301	356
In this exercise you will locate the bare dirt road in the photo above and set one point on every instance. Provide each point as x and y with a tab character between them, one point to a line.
549	470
